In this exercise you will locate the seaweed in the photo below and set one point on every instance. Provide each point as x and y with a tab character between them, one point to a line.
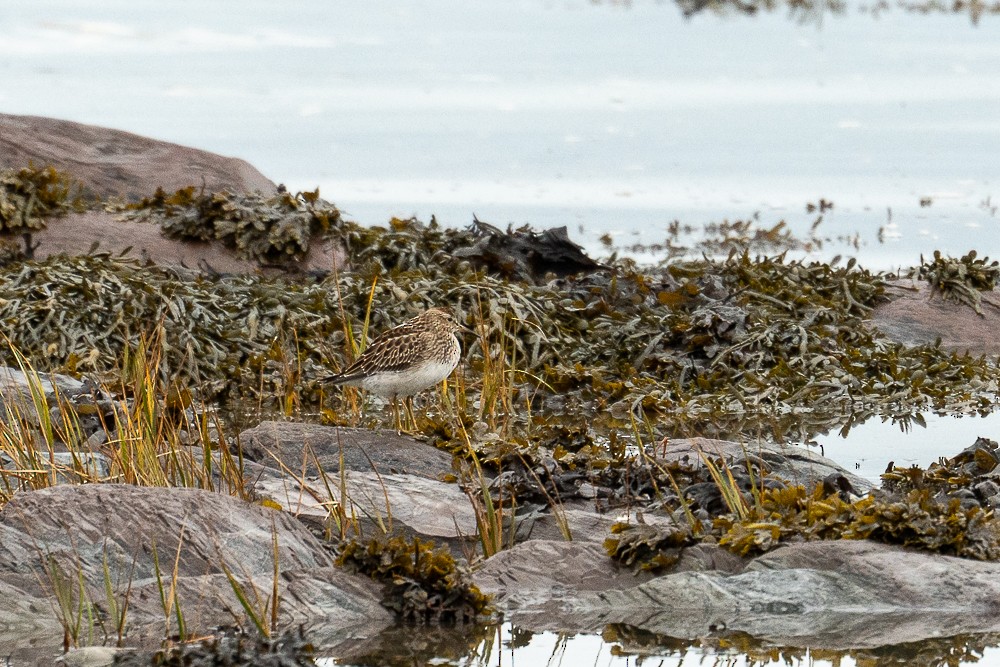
754	347
917	519
277	230
31	195
960	280
423	582
644	547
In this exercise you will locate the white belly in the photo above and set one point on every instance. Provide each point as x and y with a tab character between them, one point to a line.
407	383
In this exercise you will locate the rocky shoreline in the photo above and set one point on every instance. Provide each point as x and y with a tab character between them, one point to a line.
86	558
836	595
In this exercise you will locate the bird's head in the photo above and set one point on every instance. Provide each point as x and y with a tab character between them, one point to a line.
445	318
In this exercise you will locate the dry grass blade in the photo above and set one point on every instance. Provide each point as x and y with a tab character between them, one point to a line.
728	487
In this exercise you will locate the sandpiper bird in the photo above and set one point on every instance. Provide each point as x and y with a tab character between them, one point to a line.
406	359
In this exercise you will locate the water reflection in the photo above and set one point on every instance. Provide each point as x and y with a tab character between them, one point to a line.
622	645
814	10
918	439
800	9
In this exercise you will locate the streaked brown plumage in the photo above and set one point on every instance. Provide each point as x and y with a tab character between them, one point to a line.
406	359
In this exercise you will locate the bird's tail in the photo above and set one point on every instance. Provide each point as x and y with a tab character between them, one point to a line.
336	378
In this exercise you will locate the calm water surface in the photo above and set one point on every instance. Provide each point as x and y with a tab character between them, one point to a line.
601	116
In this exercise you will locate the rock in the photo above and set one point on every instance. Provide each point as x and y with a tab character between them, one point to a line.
299	446
583	523
63	533
68	467
91	656
793	463
412	503
67	400
111	162
15	382
101	231
539	574
915	316
830	594
833	594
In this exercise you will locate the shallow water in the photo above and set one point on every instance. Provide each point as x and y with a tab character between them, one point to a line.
873	445
512	646
606	117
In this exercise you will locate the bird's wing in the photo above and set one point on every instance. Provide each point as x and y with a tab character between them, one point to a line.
393	351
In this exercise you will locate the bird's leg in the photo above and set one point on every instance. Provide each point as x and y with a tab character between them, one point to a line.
408	404
396	416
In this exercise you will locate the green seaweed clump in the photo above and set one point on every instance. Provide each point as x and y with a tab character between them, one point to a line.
917	519
30	195
273	230
424	582
961	280
644	547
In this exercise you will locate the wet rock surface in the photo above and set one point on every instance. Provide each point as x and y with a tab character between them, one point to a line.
792	463
835	594
300	446
105	232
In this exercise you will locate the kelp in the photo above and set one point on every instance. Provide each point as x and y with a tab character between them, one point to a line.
754	346
807	11
30	195
921	518
751	346
916	519
644	547
962	280
968	475
423	581
278	229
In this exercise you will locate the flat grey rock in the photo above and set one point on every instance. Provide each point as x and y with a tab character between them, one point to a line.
298	446
422	506
832	594
67	533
